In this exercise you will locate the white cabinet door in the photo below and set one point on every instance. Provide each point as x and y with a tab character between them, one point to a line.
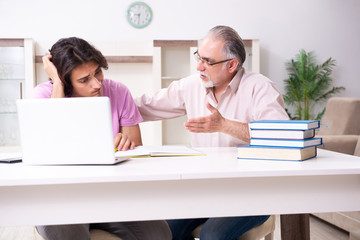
16	82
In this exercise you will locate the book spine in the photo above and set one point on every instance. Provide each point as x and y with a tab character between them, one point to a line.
285	125
286	142
282	134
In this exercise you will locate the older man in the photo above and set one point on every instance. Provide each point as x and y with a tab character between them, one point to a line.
219	103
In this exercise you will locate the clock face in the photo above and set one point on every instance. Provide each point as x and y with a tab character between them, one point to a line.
139	14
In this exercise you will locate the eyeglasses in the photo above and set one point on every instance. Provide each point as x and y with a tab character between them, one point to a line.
208	61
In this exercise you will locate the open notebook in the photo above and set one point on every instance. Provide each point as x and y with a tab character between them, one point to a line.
66	131
159	151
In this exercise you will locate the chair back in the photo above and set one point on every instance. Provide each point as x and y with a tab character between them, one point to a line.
357	148
342	117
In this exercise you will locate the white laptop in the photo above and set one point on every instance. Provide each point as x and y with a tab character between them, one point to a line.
64	131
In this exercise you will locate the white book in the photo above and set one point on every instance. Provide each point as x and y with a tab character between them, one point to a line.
286	142
282	134
285	124
276	153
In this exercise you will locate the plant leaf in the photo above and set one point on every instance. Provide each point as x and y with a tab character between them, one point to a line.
308	84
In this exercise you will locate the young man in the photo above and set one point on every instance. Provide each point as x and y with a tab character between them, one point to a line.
75	69
219	102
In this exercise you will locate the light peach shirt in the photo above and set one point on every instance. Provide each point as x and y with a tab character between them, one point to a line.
248	97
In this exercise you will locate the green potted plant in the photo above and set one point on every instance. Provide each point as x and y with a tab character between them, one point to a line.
308	85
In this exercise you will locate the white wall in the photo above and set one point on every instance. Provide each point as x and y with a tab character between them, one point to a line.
329	27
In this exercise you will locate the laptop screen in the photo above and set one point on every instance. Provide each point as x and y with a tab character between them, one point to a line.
66	130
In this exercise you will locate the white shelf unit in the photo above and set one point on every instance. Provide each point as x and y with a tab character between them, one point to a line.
173	60
252	62
16	81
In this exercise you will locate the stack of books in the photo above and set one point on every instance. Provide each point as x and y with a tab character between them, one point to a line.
291	140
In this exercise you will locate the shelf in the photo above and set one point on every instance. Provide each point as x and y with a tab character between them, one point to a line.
12	42
168	78
248	42
4	113
189	43
12	79
129	59
175	43
117	59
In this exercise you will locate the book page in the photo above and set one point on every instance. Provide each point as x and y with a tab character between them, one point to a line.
172	150
156	151
139	151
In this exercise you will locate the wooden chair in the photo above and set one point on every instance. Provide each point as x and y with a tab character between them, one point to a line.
265	230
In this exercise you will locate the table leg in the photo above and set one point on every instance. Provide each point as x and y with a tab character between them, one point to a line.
295	227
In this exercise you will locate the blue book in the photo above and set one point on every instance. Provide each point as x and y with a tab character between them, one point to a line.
276	153
286	142
285	124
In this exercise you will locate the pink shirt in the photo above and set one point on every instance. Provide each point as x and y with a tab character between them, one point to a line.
248	97
123	109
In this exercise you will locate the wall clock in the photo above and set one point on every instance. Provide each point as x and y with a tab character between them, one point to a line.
139	14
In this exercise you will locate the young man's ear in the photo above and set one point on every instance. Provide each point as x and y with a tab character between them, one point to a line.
232	66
